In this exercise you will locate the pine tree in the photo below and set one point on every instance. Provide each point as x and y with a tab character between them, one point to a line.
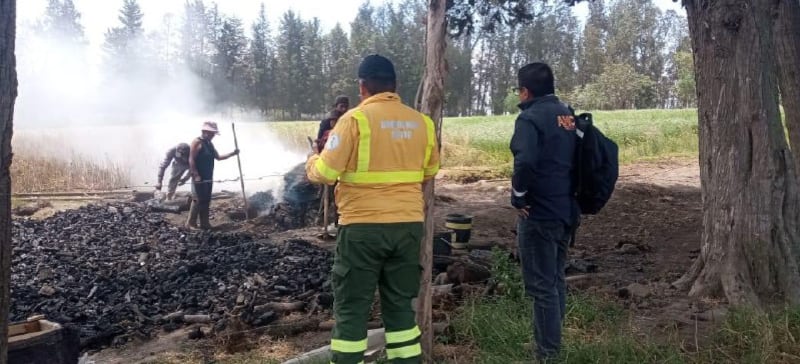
338	66
291	64
196	47
61	22
592	51
363	34
262	55
124	44
312	78
231	71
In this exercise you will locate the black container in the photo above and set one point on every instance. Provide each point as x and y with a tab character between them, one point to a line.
441	251
461	227
441	244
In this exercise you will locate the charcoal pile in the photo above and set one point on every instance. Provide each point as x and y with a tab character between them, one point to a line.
299	206
261	203
118	272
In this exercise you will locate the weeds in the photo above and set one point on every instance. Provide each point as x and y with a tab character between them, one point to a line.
597	330
747	336
501	326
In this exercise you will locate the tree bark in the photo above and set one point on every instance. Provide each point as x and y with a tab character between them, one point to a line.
432	102
8	93
750	199
787	40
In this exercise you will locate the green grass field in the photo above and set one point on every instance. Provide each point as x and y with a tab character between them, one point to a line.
481	143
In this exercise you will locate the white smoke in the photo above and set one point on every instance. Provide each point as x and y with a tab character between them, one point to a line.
74	107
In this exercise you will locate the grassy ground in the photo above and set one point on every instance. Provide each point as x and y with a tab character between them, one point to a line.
599	331
481	143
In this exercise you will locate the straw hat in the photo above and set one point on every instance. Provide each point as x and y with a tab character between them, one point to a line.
210	126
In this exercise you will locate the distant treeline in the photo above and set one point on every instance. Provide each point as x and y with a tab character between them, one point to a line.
627	54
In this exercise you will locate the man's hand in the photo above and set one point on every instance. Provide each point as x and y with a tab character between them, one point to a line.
235	152
519	202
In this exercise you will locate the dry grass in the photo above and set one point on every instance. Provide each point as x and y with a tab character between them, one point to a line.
37	168
267	351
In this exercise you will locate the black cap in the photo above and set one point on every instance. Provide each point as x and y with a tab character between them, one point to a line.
341	99
376	67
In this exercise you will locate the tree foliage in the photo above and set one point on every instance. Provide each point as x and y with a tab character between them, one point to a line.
61	22
124	43
294	68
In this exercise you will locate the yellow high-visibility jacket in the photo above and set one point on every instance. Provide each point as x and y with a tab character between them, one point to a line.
380	152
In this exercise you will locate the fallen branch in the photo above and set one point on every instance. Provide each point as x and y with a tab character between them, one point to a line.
280	307
197	319
582	277
173	316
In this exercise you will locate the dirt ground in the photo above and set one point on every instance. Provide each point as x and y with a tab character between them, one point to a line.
644	239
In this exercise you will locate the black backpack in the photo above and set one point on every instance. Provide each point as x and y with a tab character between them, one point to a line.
597	166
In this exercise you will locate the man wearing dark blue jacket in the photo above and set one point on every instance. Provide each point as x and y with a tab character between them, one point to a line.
543	145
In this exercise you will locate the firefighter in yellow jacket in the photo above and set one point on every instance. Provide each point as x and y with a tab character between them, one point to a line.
380	152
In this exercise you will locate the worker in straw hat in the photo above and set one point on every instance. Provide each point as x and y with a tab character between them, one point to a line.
201	166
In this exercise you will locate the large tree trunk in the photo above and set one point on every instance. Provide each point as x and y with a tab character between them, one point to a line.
750	199
432	101
8	93
787	40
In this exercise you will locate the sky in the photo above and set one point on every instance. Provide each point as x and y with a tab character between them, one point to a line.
99	15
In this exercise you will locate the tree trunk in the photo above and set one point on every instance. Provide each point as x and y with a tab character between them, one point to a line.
787	39
8	93
750	199
432	102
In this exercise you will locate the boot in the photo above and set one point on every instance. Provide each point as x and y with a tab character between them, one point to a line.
193	212
204	212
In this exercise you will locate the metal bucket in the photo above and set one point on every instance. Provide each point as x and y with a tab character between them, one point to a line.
461	227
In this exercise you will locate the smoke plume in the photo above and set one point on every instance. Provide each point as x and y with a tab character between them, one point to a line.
71	104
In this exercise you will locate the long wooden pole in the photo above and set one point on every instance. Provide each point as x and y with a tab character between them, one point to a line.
241	176
8	94
325	206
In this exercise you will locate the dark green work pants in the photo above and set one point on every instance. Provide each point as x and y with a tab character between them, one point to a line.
383	255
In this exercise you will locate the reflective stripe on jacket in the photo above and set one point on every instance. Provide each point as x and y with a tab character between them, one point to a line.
380	152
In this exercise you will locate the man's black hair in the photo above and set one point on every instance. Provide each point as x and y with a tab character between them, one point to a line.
377	74
537	78
377	85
